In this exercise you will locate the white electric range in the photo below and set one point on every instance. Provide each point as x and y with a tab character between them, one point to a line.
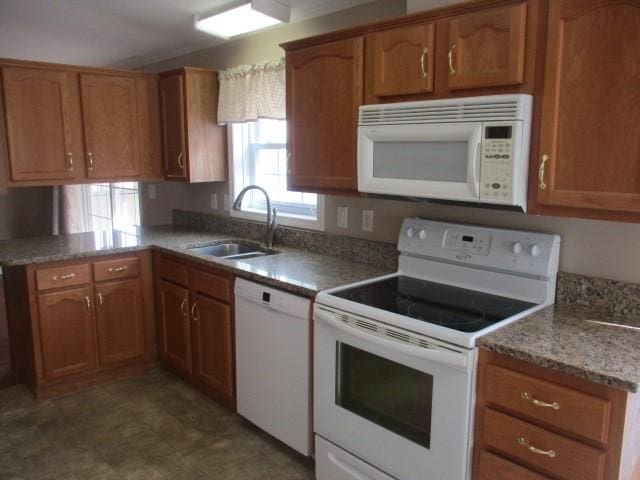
395	357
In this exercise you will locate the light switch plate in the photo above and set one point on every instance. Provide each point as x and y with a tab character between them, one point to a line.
214	201
367	220
343	217
151	191
225	202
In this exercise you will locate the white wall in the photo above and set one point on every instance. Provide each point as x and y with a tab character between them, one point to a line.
418	5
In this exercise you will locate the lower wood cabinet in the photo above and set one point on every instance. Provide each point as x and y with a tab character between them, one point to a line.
74	324
534	423
195	325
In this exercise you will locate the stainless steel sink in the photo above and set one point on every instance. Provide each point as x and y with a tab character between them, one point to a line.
233	251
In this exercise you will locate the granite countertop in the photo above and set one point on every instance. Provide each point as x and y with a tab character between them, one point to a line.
292	269
575	341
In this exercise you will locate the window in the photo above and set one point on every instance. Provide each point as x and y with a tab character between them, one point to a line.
114	206
259	157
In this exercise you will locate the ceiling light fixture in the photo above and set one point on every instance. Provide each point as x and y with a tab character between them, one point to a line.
241	17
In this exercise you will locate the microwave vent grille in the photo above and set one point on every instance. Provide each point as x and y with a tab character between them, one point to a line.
427	112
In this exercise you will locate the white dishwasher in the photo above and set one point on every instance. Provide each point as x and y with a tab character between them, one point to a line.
273	362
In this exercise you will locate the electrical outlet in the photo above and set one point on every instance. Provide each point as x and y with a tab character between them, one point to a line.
367	220
214	201
225	202
151	191
343	217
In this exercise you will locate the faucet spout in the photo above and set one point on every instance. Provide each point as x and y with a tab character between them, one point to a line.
272	223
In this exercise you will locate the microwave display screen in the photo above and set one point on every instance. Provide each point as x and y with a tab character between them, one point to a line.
497	132
467	238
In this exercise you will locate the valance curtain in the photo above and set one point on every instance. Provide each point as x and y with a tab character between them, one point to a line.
250	92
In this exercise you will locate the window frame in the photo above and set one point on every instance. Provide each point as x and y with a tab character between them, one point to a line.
284	219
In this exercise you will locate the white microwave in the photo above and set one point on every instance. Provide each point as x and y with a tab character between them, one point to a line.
473	149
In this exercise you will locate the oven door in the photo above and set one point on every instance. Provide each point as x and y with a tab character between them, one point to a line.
440	161
403	408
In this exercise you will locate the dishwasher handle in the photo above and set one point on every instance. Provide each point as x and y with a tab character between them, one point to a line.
455	360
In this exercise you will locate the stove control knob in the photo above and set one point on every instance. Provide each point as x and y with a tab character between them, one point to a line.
516	248
409	232
534	250
422	234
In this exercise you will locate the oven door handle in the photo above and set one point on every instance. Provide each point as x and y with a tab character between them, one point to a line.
456	360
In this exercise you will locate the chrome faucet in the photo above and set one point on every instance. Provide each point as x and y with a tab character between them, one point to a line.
272	223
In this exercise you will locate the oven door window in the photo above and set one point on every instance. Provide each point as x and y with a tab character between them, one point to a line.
391	395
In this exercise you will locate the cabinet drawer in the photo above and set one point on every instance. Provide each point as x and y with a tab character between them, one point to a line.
564	408
213	285
492	467
114	269
536	447
173	271
63	276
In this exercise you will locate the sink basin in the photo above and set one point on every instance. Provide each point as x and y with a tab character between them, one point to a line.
233	251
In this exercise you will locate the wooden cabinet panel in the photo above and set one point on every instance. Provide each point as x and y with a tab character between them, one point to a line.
116	269
175	326
173	126
560	407
63	276
492	467
487	48
590	137
217	286
213	344
404	60
558	455
67	332
110	116
38	115
120	321
324	92
169	269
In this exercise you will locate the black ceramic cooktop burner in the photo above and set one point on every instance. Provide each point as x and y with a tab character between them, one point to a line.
452	307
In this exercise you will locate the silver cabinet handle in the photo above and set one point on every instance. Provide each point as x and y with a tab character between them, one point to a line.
425	52
87	300
195	312
70	161
117	269
90	156
100	298
183	307
452	70
69	276
180	164
542	184
547	453
527	396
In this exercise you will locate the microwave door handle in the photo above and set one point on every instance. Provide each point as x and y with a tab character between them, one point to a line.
475	167
437	356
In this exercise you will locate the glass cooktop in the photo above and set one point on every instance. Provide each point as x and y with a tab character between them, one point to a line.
452	307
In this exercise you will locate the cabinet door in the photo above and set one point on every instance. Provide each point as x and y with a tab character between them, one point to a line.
38	123
213	344
67	332
110	119
487	48
324	92
175	347
404	60
590	138
120	321
174	146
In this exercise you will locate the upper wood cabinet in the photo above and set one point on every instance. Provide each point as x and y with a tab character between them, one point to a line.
194	145
324	92
487	48
40	124
404	60
110	115
63	125
589	158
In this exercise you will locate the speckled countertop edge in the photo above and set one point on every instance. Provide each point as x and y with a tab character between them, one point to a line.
578	342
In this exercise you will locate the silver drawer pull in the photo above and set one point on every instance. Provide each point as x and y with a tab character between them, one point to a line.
526	396
547	453
64	277
117	269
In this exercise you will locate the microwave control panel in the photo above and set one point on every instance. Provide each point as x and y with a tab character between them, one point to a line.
496	182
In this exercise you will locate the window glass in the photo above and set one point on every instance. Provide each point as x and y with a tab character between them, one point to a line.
115	206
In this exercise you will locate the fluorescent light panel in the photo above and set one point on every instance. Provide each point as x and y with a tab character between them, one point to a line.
247	17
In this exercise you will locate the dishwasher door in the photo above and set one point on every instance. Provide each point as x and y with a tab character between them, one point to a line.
273	362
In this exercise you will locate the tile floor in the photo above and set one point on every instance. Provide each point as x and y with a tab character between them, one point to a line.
150	427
